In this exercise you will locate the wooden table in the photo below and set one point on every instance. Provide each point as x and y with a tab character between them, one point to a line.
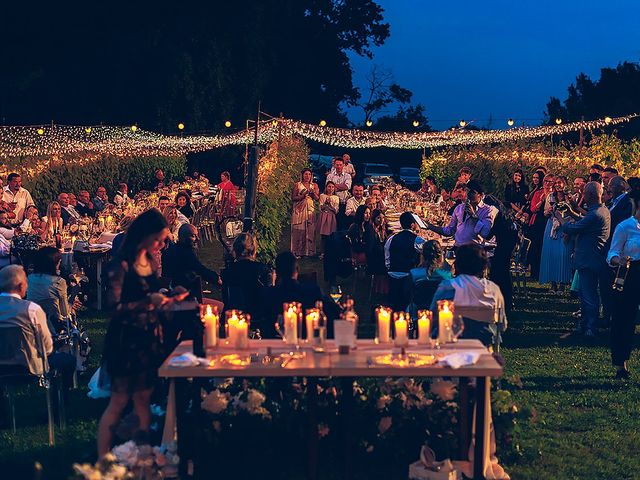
346	367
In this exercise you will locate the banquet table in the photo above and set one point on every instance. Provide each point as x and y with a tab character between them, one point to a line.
357	363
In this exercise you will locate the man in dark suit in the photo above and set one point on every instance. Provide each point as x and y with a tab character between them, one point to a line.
286	289
591	234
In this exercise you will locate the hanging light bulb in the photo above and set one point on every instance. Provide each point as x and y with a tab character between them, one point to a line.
463	123
607	120
40	131
368	123
227	123
558	121
323	123
510	122
87	130
274	123
181	126
416	123
134	128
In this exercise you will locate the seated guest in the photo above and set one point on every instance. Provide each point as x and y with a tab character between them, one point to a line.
47	288
465	175
5	243
458	196
53	222
32	223
244	279
480	298
183	202
286	289
471	221
159	181
85	206
174	221
6	230
180	264
163	202
122	195
401	254
355	201
426	278
101	199
69	213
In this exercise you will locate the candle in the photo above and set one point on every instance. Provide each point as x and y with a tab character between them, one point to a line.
232	323
109	219
445	322
383	315
101	222
291	325
313	315
424	327
242	334
402	336
210	328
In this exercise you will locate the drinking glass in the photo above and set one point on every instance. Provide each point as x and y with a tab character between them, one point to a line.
457	327
336	293
450	257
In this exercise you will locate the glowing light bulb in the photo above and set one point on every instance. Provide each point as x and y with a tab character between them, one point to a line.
227	123
323	123
416	123
134	128
558	121
40	131
607	120
181	126
87	130
510	122
368	123
463	123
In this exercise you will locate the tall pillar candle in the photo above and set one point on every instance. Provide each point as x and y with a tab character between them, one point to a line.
402	330
383	317
424	327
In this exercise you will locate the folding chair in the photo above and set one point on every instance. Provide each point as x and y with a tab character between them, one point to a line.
519	266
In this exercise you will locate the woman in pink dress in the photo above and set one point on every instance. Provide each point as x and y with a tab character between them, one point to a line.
329	204
303	217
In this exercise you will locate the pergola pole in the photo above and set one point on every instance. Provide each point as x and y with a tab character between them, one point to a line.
252	180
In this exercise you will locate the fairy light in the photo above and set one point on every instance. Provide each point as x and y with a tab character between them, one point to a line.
463	123
87	130
227	124
73	141
510	122
558	121
134	128
323	123
181	126
368	123
415	123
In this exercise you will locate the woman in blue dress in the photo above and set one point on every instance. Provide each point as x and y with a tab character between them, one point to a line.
555	263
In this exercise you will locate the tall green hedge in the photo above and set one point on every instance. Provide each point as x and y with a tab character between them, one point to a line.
137	173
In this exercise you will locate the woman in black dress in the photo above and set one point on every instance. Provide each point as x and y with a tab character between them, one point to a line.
132	348
515	193
375	236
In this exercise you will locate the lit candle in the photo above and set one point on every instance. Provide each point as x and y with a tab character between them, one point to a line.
402	336
109	219
384	324
313	315
291	326
232	323
445	322
424	327
101	222
242	334
210	328
73	241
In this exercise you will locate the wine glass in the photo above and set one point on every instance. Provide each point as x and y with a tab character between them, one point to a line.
336	293
457	327
450	257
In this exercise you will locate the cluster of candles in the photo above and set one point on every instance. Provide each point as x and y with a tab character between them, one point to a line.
292	315
236	328
425	318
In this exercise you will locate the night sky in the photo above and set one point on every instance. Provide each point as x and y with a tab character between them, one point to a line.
469	60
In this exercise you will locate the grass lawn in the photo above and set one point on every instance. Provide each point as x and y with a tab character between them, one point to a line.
586	424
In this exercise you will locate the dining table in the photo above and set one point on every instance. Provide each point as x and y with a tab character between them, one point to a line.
183	423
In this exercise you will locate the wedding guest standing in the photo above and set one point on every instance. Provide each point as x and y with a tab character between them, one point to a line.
303	216
329	204
537	220
515	193
132	346
17	198
342	181
625	248
226	197
375	237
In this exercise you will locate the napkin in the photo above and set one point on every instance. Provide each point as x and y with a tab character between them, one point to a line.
100	245
460	359
186	360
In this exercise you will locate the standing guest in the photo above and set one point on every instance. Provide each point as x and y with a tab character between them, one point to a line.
53	223
329	204
69	213
457	197
625	248
373	200
591	234
515	193
132	347
226	197
347	165
355	201
163	202
85	207
555	262
101	200
607	174
17	198
181	265
471	221
183	202
375	237
122	195
429	191
465	175
596	168
356	234
244	280
32	223
401	254
577	198
159	181
342	181
303	216
537	220
383	202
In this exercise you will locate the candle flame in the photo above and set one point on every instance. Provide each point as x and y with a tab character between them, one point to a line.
209	311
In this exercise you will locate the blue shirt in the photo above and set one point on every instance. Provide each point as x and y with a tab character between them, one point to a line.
467	228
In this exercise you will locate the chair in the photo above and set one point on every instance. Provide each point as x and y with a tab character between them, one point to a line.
519	266
484	314
422	293
17	369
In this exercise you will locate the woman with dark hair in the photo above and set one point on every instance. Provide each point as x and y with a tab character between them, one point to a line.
375	236
515	193
537	221
132	346
478	297
303	216
625	250
356	234
183	202
46	287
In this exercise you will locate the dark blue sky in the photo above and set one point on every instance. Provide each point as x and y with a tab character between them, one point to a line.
470	60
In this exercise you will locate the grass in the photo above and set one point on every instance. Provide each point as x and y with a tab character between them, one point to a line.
586	426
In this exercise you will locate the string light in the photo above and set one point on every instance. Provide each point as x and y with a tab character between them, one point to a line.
323	123
368	123
463	123
87	130
134	128
607	120
73	141
510	122
227	124
416	123
181	126
558	121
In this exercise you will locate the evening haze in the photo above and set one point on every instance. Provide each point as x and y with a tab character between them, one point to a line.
500	59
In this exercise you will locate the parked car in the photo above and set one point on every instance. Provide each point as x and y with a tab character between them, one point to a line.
320	166
409	177
372	173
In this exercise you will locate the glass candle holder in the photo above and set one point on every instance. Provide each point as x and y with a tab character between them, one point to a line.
316	328
211	320
383	324
424	327
311	318
292	319
237	328
401	327
445	321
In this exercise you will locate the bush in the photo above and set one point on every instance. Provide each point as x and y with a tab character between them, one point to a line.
107	171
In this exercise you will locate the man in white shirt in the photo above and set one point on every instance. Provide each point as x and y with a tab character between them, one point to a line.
16	197
354	202
342	181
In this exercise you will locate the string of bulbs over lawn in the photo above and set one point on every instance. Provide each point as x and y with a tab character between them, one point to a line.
59	140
